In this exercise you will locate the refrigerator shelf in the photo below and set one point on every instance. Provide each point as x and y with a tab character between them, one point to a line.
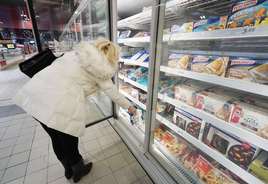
127	80
134	100
134	63
237	33
243	174
223	125
190	176
241	85
145	39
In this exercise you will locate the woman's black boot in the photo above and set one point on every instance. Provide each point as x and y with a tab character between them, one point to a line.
80	169
68	169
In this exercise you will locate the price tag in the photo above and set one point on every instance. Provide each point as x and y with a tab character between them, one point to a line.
248	30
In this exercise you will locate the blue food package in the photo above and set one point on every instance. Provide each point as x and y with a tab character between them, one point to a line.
249	13
210	24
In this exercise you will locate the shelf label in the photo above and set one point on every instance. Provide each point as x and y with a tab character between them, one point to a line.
248	30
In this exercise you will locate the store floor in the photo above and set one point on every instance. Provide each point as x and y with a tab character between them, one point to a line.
26	154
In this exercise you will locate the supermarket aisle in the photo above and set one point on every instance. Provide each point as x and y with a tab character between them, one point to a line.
26	154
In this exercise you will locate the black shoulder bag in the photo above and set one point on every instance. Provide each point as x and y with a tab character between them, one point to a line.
37	63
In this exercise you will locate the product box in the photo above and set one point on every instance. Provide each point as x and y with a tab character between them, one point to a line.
144	57
184	28
232	147
125	34
179	61
209	174
248	69
188	122
186	92
249	13
249	116
259	167
210	64
215	102
210	24
138	55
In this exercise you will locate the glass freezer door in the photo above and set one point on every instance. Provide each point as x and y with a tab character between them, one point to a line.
211	93
90	21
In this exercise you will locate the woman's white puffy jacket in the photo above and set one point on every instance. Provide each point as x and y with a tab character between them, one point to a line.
57	95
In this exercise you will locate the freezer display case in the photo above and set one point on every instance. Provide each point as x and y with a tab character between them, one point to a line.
210	108
134	38
91	20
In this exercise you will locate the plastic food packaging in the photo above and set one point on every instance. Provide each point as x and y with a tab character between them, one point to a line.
210	24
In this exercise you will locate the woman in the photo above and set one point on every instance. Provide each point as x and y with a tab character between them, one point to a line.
57	98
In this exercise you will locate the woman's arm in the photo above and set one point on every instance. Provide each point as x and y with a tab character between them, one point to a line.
108	87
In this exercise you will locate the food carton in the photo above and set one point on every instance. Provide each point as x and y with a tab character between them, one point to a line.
215	102
259	167
249	69
249	13
249	116
184	28
188	122
210	64
179	61
232	147
186	92
210	24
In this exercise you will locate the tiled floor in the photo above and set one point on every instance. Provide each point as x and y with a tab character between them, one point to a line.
26	154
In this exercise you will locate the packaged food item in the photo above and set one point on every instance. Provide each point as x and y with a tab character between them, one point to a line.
138	55
158	134
125	34
184	28
186	92
236	150
210	64
210	24
179	61
248	69
188	122
210	174
215	102
250	117
259	167
249	13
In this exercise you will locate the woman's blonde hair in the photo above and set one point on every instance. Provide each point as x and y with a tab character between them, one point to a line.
109	49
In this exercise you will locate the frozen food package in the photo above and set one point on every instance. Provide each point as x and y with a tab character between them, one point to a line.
216	103
249	13
210	64
259	167
248	116
210	24
248	69
188	122
184	28
179	61
232	147
186	92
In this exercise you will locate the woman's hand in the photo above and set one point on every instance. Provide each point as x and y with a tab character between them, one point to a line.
132	110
